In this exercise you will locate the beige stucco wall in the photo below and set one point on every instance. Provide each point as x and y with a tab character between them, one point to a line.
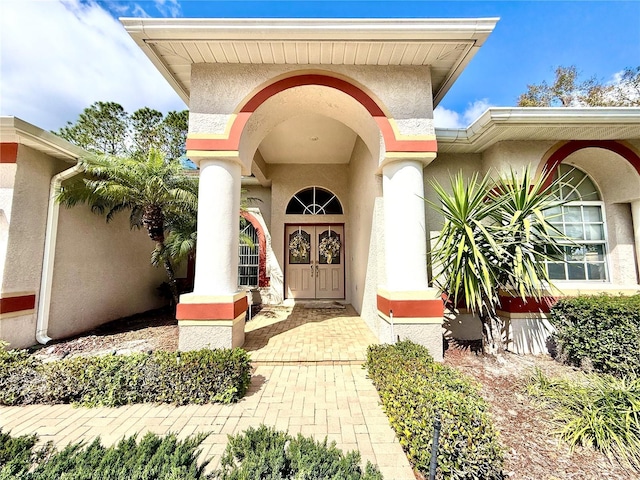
101	272
365	187
217	90
25	239
262	200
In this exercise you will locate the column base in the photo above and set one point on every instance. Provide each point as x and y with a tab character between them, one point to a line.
206	321
412	315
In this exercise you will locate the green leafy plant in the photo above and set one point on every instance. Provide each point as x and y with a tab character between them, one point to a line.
594	410
196	377
600	332
266	453
413	388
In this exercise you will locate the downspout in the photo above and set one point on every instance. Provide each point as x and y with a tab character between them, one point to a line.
51	234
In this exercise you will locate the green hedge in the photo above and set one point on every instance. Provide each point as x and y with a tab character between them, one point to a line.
198	377
600	332
153	457
413	388
265	453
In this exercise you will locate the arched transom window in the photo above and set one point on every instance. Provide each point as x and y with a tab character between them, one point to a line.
581	219
314	201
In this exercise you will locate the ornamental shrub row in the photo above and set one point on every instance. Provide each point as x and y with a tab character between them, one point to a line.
413	388
600	332
197	377
154	457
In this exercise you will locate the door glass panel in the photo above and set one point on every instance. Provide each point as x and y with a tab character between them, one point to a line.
329	247
299	248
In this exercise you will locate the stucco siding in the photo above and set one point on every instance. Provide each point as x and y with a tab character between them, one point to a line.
260	198
101	272
364	188
24	239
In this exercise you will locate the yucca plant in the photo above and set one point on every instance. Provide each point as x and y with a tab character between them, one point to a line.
153	190
495	238
595	410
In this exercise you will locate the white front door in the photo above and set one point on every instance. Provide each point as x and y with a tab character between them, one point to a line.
315	261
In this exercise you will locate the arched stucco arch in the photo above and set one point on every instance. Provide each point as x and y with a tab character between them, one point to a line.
244	125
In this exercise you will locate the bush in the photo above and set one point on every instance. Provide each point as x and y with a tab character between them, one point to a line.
413	388
597	410
153	457
197	377
602	332
265	453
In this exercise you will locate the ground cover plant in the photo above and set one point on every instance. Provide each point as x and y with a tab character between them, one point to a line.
266	453
163	458
595	410
600	332
197	377
413	388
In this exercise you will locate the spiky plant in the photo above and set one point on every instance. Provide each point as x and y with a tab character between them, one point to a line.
495	238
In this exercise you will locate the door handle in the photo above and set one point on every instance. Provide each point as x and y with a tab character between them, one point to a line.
312	270
316	271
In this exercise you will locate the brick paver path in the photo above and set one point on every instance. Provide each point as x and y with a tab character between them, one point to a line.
305	395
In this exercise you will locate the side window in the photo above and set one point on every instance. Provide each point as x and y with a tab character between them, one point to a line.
581	219
249	253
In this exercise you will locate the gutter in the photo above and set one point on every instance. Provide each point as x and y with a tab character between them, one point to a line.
51	235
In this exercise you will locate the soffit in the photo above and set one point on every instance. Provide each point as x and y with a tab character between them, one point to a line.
531	124
14	130
446	45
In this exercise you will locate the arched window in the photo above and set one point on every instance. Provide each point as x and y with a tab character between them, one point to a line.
582	220
249	252
314	201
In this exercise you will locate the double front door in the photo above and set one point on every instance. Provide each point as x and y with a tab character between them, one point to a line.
314	261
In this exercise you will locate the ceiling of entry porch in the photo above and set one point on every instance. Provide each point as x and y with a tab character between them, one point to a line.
308	138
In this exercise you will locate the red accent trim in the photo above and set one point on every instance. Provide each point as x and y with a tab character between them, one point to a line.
211	311
263	280
411	308
8	152
17	304
392	144
530	305
573	146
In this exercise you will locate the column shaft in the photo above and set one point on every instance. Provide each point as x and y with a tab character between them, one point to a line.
405	232
218	217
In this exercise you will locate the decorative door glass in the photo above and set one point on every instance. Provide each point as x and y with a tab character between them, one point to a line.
329	247
299	247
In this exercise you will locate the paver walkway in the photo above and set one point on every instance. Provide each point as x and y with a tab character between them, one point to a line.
299	334
336	401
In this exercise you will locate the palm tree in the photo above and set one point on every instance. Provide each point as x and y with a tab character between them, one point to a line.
495	238
156	192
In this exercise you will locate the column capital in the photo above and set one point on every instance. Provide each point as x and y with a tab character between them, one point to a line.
200	157
395	157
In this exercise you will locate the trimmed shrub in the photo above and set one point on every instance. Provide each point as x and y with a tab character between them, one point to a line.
596	410
600	332
197	377
265	453
413	388
153	457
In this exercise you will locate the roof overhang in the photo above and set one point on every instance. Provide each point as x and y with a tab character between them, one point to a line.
14	130
530	123
174	45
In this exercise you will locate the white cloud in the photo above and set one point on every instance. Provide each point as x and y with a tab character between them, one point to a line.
445	118
60	56
168	8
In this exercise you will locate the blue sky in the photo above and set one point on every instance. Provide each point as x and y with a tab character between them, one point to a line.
59	56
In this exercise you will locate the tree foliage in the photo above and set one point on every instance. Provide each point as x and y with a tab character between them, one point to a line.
105	127
495	239
155	191
569	90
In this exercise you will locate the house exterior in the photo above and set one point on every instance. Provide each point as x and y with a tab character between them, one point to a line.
62	271
330	124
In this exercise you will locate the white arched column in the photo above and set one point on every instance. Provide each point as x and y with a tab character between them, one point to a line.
213	315
407	307
635	216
